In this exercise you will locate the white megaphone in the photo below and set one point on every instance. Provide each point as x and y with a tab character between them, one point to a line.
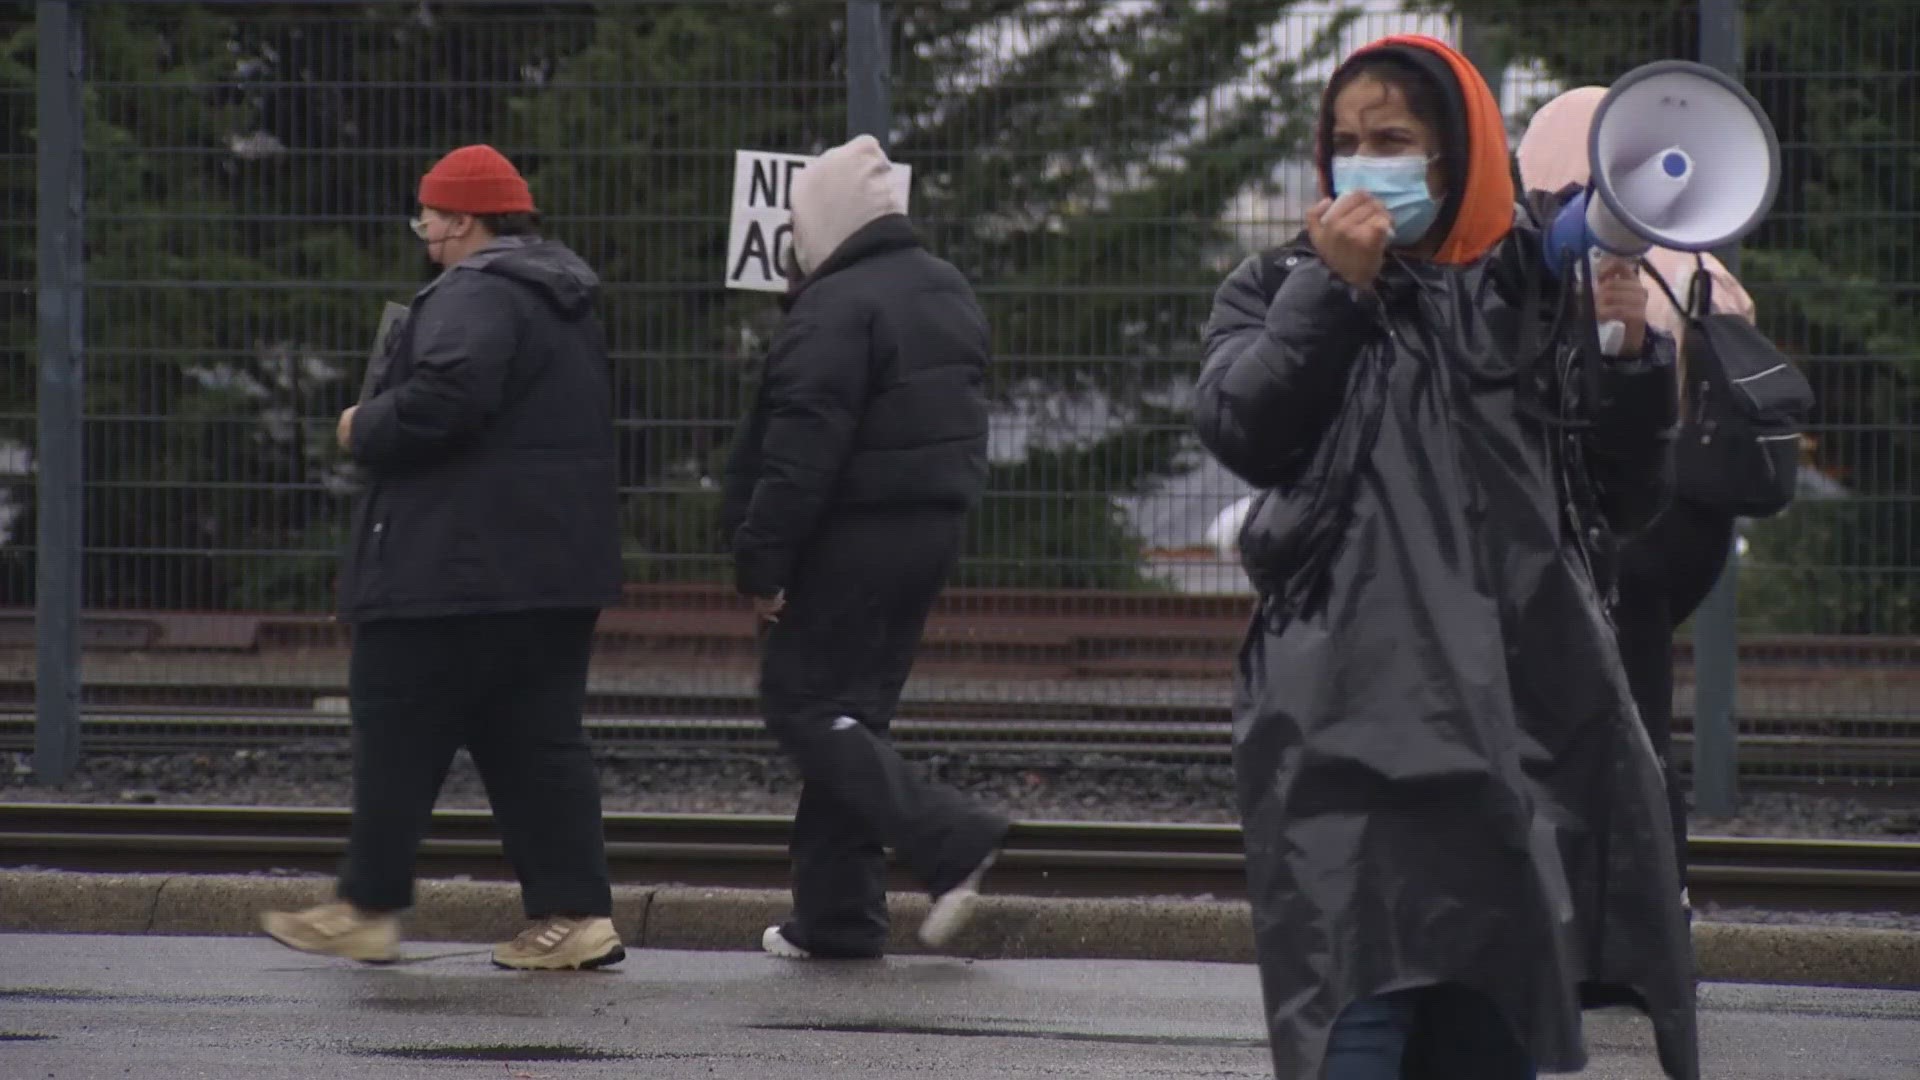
1681	157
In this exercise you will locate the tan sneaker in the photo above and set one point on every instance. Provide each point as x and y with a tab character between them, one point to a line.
562	945
336	929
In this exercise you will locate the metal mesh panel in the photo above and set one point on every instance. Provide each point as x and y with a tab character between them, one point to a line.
18	371
1095	167
1833	580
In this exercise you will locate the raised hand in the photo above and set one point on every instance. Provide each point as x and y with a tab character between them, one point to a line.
1619	296
1351	233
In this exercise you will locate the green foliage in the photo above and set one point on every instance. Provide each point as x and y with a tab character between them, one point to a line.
633	145
672	533
1051	521
1814	570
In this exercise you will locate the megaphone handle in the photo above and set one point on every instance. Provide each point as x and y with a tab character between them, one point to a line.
1613	333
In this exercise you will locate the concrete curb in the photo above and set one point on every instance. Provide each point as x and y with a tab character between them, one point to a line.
1006	927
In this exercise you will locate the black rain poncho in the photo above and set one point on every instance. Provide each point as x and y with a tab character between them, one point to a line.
1440	772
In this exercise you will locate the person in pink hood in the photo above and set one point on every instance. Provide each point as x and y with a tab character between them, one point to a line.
1666	571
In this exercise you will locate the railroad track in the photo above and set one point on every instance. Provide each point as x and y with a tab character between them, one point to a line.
1041	858
1773	751
135	730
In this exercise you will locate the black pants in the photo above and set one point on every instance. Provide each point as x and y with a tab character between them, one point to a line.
1664	575
509	688
830	678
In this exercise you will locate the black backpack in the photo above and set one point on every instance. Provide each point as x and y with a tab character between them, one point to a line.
1738	448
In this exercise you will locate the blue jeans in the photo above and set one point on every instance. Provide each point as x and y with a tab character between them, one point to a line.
1432	1031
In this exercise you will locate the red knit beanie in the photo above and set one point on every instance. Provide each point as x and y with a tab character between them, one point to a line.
475	180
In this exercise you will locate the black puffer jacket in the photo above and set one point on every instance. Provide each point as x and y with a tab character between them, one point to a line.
489	447
873	400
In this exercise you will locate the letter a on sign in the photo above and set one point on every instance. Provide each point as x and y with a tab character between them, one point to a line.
760	236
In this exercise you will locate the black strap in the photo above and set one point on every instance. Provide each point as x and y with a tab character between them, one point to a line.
1582	361
1700	296
1527	349
1700	284
1590	327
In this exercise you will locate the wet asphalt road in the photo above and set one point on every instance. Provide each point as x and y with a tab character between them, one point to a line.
171	1008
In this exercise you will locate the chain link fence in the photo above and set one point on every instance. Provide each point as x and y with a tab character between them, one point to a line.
1095	167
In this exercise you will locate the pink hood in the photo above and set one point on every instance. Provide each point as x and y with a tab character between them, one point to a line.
1553	154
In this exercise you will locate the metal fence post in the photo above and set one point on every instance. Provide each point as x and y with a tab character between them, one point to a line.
1716	657
60	309
869	97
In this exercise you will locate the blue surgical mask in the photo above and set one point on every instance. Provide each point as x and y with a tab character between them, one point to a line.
1400	183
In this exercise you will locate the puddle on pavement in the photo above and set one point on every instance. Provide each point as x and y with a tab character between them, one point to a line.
501	1052
58	995
1226	1041
50	994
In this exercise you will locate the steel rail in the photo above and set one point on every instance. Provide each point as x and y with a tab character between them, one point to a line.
1045	858
1781	753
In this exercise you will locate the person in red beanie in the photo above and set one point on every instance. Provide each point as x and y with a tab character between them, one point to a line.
482	549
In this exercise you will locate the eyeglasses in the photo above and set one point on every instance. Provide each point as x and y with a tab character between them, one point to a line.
419	227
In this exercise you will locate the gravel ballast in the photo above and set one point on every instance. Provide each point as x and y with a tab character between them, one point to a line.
1086	788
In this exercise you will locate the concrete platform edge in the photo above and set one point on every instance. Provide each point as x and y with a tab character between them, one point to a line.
1011	927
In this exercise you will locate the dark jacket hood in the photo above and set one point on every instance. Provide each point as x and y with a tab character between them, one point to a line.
560	277
893	232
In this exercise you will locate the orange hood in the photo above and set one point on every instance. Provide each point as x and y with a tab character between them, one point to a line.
1482	210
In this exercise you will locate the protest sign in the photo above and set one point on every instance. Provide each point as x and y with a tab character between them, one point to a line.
380	356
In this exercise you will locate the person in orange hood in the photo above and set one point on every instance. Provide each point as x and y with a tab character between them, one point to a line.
1456	831
1666	572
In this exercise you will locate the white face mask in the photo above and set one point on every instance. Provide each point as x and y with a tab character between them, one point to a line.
1400	183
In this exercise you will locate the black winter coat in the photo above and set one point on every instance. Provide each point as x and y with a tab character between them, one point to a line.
872	401
488	446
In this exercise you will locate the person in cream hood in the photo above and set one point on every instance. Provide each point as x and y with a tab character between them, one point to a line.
846	500
1665	572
